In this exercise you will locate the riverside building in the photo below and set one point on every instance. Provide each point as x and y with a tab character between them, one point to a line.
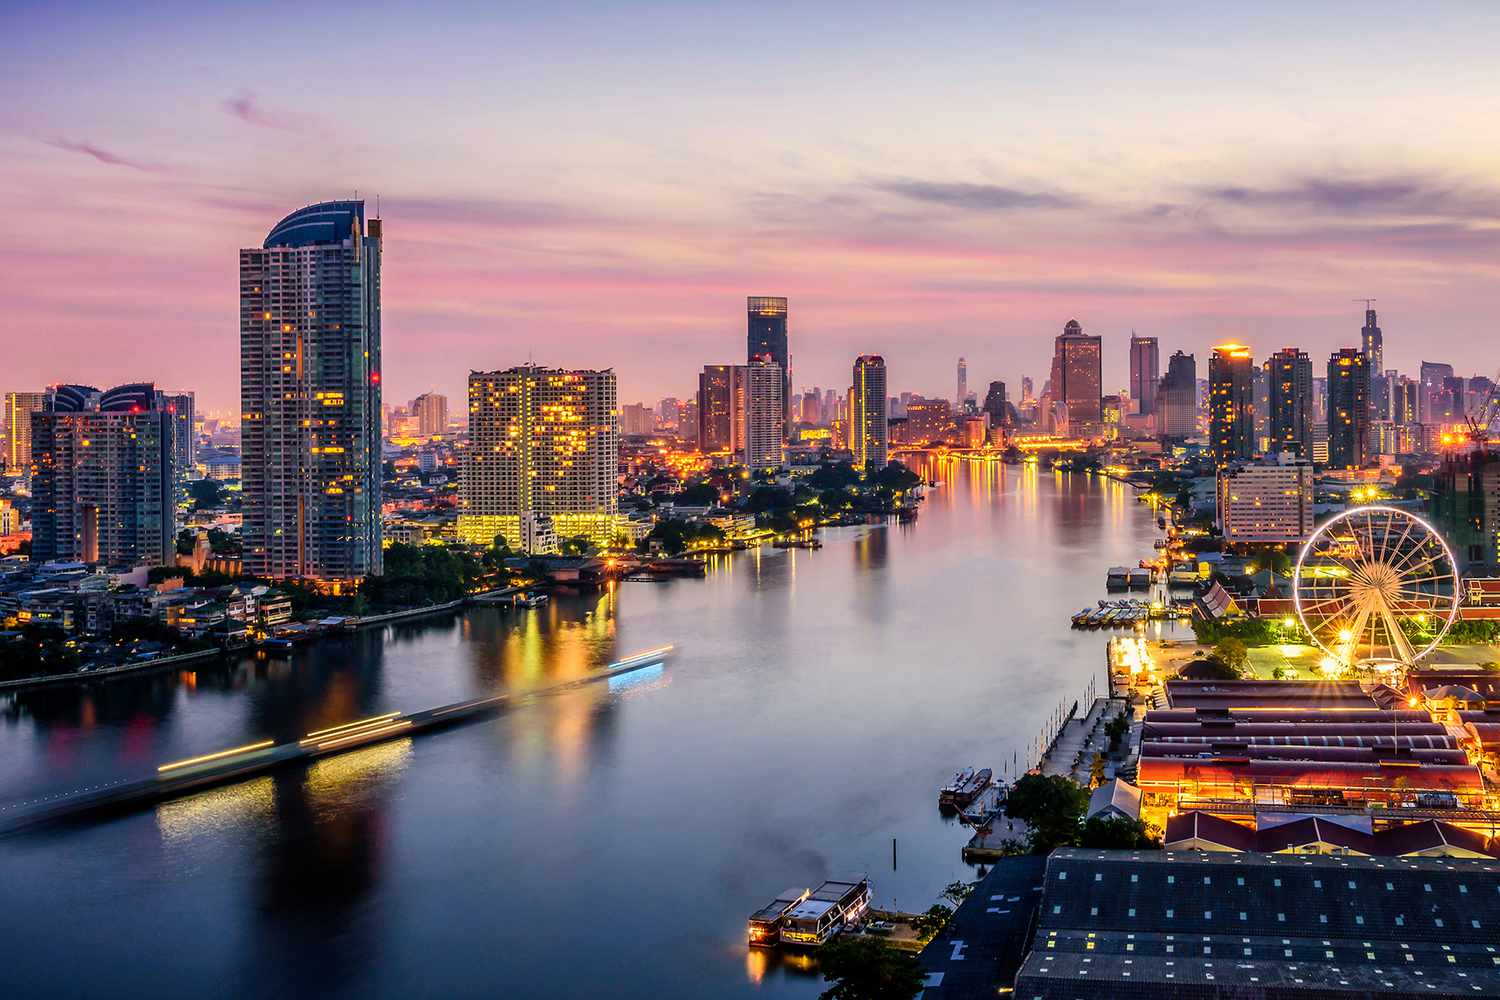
1269	502
543	457
1231	404
871	443
103	486
310	397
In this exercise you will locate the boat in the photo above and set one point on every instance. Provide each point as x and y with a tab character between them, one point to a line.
1118	578
972	786
1140	579
531	601
948	794
984	808
831	907
1080	620
764	928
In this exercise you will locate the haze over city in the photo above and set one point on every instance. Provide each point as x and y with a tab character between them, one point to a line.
603	185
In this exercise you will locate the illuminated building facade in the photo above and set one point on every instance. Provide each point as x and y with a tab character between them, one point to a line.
767	338
1348	409
1077	380
929	421
1289	390
103	485
868	418
1266	502
1465	506
180	405
721	409
1231	405
19	406
1434	408
310	396
543	443
1145	373
963	384
1372	346
765	415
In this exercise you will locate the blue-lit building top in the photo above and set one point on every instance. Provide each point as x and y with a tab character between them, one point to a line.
328	223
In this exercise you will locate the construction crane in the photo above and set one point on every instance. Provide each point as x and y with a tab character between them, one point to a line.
1479	423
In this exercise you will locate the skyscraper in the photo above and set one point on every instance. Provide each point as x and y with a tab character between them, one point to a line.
1177	398
1289	384
765	415
1429	396
431	409
963	385
544	443
104	488
1145	372
996	405
1077	379
767	315
1231	404
1348	409
19	406
1372	346
869	428
310	396
721	396
180	405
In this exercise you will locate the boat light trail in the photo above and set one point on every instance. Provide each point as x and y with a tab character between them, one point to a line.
263	744
365	734
317	734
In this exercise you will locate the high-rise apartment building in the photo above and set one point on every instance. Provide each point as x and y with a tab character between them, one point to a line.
1077	380
868	422
103	487
180	405
1177	398
543	456
929	421
431	409
1289	391
310	396
963	385
1145	372
767	338
19	406
721	409
765	415
1348	409
1266	502
1231	404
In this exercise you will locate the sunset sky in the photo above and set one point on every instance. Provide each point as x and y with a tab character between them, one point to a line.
602	185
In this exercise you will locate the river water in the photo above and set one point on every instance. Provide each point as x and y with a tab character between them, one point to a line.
605	841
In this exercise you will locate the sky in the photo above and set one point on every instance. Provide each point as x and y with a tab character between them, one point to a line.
601	185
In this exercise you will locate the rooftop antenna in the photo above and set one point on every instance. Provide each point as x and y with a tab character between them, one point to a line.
1367	302
377	206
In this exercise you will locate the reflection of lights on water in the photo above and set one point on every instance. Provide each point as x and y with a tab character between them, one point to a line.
377	763
757	961
216	809
637	678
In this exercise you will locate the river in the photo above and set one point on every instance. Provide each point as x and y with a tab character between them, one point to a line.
605	841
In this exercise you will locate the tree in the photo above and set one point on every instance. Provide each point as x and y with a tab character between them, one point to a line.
1116	833
1117	729
1096	771
206	493
1051	806
573	546
864	968
1233	653
935	919
957	892
697	494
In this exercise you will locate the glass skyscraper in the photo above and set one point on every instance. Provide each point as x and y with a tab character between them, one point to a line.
1289	382
310	396
767	340
1348	409
1145	372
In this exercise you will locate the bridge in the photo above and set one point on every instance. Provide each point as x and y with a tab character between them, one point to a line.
221	767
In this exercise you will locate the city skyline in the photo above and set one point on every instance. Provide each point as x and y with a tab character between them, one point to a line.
981	246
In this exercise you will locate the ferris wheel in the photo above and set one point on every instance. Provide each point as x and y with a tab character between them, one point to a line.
1376	587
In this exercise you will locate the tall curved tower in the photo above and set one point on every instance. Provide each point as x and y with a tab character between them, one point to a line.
310	396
